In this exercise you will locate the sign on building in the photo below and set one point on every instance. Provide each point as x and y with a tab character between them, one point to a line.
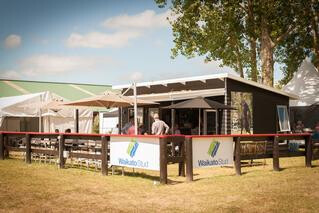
212	151
135	152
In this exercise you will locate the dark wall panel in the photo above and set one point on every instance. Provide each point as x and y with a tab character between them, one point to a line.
264	105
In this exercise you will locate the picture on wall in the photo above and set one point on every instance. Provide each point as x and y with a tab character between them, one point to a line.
283	118
242	118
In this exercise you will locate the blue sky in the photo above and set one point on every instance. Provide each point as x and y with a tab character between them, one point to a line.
100	42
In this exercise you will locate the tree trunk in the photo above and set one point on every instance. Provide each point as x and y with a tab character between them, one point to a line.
252	41
315	33
253	60
266	52
239	63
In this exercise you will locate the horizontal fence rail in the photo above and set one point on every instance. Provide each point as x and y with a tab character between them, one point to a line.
95	148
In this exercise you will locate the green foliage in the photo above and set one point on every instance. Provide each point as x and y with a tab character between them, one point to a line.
231	31
210	29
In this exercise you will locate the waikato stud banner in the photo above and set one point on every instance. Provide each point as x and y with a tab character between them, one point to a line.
135	152
212	151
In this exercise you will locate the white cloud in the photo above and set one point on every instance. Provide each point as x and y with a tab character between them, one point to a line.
126	28
52	64
145	20
12	41
9	74
101	40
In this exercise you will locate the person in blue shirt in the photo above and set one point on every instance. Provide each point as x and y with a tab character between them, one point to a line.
315	135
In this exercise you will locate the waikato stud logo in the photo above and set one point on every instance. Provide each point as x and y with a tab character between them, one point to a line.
132	147
213	148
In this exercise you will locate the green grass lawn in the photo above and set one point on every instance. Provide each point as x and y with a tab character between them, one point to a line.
45	188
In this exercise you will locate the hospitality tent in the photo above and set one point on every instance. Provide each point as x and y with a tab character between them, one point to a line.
305	84
16	115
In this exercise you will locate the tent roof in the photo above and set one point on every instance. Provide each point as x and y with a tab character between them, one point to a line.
69	91
8	101
19	106
305	83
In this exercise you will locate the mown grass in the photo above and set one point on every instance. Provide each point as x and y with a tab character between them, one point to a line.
45	188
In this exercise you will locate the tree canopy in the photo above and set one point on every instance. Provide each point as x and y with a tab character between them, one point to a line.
247	35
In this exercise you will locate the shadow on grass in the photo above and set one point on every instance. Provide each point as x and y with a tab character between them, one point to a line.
146	176
137	174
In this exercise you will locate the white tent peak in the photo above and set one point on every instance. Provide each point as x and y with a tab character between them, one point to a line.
305	83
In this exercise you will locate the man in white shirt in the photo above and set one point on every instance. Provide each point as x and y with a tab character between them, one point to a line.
159	127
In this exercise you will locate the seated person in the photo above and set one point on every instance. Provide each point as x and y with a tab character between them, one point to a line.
177	131
131	130
126	127
142	130
315	135
299	127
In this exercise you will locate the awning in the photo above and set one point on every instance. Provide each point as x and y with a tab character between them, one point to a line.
182	95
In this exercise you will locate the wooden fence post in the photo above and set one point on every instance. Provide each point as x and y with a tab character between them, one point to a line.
61	149
1	146
237	156
104	165
181	165
308	145
189	158
163	160
28	149
6	150
275	154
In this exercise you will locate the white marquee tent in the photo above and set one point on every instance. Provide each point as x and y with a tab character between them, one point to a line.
16	107
305	84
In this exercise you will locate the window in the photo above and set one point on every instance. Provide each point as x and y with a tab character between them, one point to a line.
283	118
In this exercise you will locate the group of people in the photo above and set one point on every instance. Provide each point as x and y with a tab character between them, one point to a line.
299	128
159	127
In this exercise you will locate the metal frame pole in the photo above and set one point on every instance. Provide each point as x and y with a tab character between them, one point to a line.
199	121
135	109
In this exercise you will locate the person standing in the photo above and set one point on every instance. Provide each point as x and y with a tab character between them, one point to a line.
159	127
127	126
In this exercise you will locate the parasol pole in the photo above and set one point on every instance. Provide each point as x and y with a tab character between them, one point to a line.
199	121
135	109
217	123
76	120
40	120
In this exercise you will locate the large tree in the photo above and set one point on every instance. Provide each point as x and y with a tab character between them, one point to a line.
210	29
303	42
239	32
313	9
